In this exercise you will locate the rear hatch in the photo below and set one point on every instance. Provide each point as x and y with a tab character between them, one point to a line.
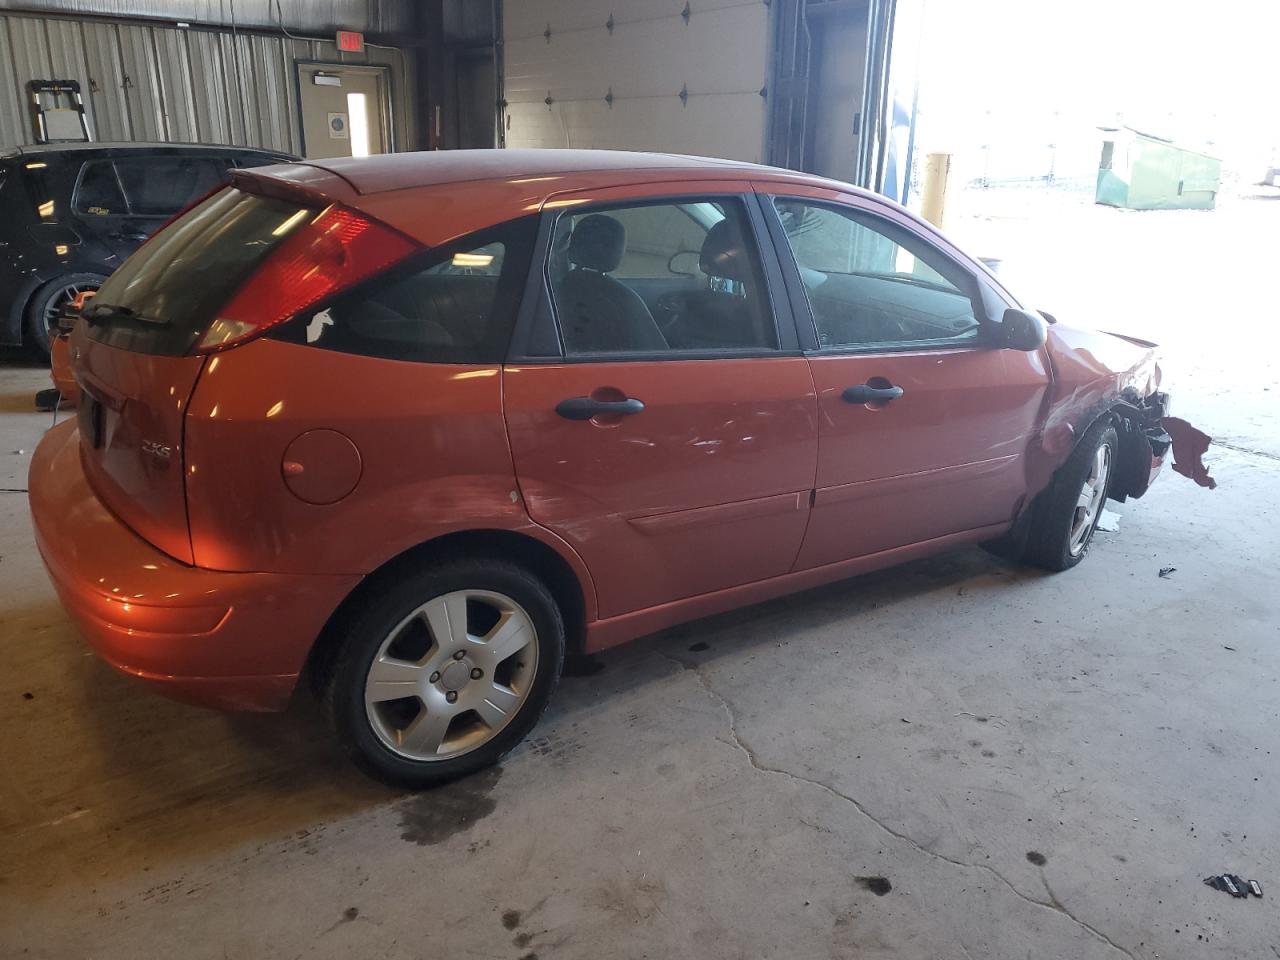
145	340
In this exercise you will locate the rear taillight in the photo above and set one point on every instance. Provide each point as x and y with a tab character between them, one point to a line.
334	250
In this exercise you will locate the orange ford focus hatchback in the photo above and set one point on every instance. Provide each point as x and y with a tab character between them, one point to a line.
420	425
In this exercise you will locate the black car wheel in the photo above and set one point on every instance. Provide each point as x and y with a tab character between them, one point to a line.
45	308
1068	512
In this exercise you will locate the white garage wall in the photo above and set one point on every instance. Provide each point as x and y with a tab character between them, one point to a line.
719	55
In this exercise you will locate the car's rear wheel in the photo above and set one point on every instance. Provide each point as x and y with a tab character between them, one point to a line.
45	308
445	670
1067	514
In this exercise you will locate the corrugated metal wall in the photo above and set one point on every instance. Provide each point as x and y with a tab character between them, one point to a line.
150	82
317	16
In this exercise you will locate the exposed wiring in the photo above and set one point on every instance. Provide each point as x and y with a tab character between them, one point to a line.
293	36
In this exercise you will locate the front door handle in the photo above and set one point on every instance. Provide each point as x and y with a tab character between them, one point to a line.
865	393
131	237
584	408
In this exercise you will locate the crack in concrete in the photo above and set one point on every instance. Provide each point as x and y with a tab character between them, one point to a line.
1053	903
1236	448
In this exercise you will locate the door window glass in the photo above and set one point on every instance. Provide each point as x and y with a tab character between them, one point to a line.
659	277
458	305
872	283
161	186
99	192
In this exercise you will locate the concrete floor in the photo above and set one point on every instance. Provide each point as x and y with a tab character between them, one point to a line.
953	759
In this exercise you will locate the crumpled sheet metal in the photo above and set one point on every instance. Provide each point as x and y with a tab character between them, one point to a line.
1189	447
1092	372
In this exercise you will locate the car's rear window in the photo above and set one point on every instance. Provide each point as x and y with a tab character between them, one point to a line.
165	295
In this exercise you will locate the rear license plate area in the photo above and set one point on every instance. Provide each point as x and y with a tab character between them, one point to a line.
90	416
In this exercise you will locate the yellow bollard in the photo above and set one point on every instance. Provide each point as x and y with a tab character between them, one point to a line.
933	203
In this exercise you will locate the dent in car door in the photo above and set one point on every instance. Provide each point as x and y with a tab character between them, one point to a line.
921	437
707	487
673	473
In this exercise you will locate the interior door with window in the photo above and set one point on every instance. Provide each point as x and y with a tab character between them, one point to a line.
668	430
344	109
923	425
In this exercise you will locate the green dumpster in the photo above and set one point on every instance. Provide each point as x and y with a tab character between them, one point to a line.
1141	172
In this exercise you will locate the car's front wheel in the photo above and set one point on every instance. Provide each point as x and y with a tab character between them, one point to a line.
445	670
1067	514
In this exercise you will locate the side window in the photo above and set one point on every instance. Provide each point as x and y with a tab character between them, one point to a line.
99	193
161	186
872	283
452	305
658	277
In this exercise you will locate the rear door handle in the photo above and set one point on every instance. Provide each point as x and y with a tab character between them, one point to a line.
865	393
132	237
584	408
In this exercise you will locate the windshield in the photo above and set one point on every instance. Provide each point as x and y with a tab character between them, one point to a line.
163	297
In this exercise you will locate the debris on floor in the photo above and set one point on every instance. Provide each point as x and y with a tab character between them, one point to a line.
1166	571
877	885
1109	522
1189	447
1230	883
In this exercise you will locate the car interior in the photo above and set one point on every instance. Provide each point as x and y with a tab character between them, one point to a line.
716	304
662	277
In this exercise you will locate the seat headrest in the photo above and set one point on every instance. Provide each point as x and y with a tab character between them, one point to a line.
597	243
724	254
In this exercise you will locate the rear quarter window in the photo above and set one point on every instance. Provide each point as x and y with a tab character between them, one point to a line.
454	304
99	193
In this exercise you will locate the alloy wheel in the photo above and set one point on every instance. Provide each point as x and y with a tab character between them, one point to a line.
451	675
54	307
1089	503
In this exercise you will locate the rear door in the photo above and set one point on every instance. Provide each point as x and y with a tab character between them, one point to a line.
667	433
158	187
924	425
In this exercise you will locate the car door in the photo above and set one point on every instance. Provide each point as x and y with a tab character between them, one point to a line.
924	422
672	446
157	187
100	205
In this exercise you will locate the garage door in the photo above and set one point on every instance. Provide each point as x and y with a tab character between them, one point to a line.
644	75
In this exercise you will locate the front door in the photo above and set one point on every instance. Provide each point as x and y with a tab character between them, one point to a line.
344	110
924	427
672	439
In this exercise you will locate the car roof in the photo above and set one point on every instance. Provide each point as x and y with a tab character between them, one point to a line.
397	171
113	149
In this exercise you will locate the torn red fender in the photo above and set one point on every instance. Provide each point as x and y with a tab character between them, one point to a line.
1189	447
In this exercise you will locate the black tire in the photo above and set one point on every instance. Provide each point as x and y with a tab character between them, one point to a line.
1054	514
47	300
387	606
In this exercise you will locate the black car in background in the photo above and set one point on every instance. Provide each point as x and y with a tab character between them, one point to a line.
71	213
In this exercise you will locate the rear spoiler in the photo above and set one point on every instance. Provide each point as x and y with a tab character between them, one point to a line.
296	183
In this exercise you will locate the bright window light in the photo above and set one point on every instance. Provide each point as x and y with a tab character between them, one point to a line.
358	118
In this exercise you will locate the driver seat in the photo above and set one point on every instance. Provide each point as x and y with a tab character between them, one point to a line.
711	319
